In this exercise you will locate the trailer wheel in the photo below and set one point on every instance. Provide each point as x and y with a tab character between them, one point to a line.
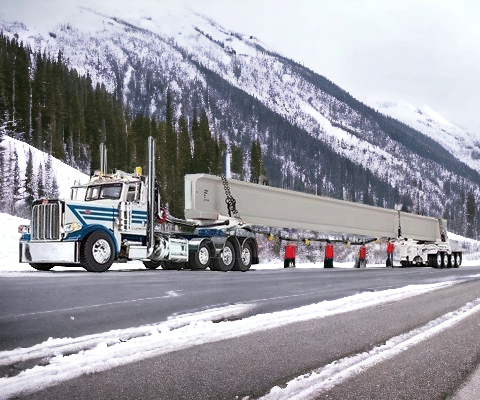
456	260
152	264
202	257
226	258
448	260
97	252
42	267
245	260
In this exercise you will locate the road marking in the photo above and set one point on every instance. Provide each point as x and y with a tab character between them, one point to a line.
169	294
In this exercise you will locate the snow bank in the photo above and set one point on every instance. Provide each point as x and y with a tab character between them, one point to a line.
72	357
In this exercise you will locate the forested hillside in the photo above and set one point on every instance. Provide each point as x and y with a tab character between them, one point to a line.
51	107
224	91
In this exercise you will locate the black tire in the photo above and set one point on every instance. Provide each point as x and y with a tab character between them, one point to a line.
440	260
245	258
226	259
170	265
448	262
97	253
42	267
152	264
456	260
202	257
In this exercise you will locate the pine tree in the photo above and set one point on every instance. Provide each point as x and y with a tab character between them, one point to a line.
29	181
236	164
41	193
207	149
470	215
198	147
49	177
257	169
16	185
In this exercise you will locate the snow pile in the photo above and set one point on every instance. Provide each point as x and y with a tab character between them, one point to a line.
70	358
310	385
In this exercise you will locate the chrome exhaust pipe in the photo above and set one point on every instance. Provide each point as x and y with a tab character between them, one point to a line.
151	197
103	159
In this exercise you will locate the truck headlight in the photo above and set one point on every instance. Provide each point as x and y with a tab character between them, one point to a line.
23	229
72	227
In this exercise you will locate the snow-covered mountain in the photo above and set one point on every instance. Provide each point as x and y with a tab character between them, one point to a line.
458	141
315	136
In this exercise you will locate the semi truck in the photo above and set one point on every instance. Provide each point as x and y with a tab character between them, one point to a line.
120	217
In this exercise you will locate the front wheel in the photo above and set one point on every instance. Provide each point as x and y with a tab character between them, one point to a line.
42	267
97	252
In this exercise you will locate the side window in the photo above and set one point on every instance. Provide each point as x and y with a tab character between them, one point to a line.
133	193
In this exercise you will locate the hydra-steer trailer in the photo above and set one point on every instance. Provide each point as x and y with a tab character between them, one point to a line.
119	217
422	240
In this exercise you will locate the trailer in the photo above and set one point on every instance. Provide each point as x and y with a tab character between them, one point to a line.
422	240
120	217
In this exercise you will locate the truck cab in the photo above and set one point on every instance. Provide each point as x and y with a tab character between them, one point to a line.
111	208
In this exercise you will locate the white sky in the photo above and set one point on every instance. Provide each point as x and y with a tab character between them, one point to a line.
423	51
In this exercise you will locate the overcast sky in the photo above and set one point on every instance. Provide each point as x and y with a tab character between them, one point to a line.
426	52
421	51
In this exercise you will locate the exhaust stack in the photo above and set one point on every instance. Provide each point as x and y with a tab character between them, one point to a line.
103	159
151	196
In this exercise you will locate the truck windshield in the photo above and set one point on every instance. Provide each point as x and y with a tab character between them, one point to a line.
99	192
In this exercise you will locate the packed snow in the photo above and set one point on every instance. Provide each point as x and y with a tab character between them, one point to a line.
309	386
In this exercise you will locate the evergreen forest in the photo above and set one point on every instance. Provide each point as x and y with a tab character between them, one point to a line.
50	106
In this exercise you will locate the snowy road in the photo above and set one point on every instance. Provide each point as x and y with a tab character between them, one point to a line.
156	334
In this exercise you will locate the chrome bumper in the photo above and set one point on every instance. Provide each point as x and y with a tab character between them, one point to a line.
50	252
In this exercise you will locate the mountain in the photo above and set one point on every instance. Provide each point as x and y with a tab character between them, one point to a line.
459	142
315	136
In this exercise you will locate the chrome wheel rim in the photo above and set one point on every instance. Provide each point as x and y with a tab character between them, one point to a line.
101	251
203	256
227	255
246	256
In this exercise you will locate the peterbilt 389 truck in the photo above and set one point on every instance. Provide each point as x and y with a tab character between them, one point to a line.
120	217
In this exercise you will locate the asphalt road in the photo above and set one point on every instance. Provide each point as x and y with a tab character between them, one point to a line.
60	304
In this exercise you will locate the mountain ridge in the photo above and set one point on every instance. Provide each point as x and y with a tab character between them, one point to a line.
315	136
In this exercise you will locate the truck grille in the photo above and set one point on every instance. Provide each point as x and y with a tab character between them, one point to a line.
45	224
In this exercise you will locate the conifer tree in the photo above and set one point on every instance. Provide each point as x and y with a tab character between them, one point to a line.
470	214
198	150
41	193
207	149
16	184
29	181
257	169
236	164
